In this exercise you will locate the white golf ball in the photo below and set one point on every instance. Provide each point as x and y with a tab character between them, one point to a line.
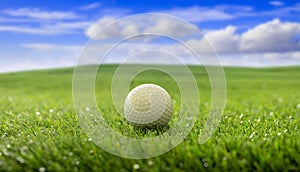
148	105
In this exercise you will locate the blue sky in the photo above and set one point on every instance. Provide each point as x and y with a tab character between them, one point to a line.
47	34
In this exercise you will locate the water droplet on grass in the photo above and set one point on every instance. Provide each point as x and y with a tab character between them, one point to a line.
298	106
278	134
20	160
136	166
8	146
258	120
150	162
37	113
251	136
241	116
205	164
42	169
271	113
71	154
89	139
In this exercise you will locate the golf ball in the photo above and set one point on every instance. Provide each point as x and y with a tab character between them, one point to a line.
148	105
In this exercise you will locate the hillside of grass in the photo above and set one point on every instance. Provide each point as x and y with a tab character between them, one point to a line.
259	129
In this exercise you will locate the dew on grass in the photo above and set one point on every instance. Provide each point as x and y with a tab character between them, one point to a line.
285	131
4	135
20	160
91	151
136	166
205	164
42	169
226	117
190	118
5	152
8	146
298	106
258	120
271	113
87	109
290	117
77	162
279	134
51	110
89	139
150	162
70	153
37	113
241	116
64	157
252	134
23	149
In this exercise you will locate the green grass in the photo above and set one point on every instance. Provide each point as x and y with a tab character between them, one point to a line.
259	129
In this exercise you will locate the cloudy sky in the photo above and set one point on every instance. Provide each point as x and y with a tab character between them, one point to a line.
47	34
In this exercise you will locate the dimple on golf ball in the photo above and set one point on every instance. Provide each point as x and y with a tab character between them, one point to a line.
148	105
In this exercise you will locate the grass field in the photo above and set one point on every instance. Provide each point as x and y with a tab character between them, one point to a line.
259	129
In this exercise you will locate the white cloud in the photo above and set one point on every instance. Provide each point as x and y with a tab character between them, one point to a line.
47	29
30	30
273	36
90	6
289	11
39	56
294	55
93	29
276	3
51	47
234	8
224	41
129	30
199	14
36	21
170	27
39	14
154	24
